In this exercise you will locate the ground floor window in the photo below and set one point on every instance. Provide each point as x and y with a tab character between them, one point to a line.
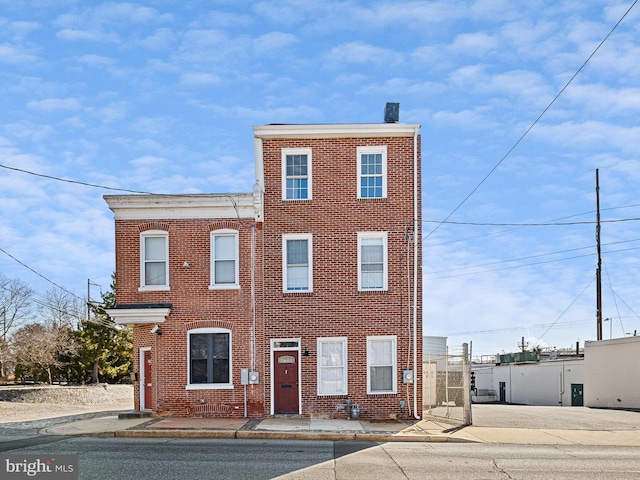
209	358
381	364
332	366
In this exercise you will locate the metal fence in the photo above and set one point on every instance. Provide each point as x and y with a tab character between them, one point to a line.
445	382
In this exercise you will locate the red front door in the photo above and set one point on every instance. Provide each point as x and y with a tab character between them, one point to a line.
146	381
285	382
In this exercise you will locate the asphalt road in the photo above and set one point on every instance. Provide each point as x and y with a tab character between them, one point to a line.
186	459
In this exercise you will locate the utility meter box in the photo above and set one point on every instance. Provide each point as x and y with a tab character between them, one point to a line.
244	376
407	376
254	377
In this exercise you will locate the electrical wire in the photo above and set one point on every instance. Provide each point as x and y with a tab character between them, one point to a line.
535	122
531	256
567	309
76	182
550	224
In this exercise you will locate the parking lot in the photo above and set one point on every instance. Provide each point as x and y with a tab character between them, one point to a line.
559	418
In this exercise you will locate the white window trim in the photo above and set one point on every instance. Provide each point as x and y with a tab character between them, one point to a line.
345	380
376	149
296	151
224	286
385	260
209	386
394	354
297	236
154	288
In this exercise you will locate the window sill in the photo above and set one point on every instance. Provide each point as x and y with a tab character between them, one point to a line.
373	290
209	386
298	293
382	393
154	288
224	287
325	395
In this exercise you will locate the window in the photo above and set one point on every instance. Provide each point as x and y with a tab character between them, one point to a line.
209	358
297	263
372	172
372	261
381	365
296	174
224	259
154	265
332	366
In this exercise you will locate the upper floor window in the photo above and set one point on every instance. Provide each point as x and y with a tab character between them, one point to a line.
372	261
209	358
372	172
382	364
154	260
296	173
297	263
332	366
224	259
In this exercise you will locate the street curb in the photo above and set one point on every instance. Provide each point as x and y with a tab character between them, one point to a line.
271	435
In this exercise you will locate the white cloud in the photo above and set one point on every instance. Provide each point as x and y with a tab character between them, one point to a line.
53	104
273	42
149	161
199	79
478	43
604	100
160	39
75	35
359	52
13	54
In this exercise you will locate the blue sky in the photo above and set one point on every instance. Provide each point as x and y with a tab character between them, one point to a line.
161	96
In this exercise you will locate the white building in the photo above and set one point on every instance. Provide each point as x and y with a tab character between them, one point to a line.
612	373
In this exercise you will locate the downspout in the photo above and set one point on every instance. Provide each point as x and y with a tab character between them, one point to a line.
415	273
562	384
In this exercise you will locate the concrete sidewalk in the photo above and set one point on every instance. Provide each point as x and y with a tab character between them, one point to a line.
336	430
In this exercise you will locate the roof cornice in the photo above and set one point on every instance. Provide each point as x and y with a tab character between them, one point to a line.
156	207
336	130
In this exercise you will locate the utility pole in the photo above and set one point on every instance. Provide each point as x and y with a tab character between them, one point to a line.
466	384
523	346
598	270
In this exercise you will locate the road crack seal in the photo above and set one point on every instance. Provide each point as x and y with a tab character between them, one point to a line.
501	470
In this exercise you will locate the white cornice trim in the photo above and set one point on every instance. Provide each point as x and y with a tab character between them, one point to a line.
158	207
336	130
138	316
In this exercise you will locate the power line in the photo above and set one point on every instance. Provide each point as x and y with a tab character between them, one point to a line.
39	274
548	224
522	266
526	132
76	182
567	309
533	256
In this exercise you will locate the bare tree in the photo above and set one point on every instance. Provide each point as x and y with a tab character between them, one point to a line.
61	308
15	304
6	359
49	346
42	348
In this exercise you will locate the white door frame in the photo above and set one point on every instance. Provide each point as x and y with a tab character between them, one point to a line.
142	379
271	356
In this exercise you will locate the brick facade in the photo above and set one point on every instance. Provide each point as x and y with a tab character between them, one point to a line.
259	314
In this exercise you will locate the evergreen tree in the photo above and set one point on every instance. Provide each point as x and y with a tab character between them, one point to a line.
106	352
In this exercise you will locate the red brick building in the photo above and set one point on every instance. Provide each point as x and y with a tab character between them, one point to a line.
303	297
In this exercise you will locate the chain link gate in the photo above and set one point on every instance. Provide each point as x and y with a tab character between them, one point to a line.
445	382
